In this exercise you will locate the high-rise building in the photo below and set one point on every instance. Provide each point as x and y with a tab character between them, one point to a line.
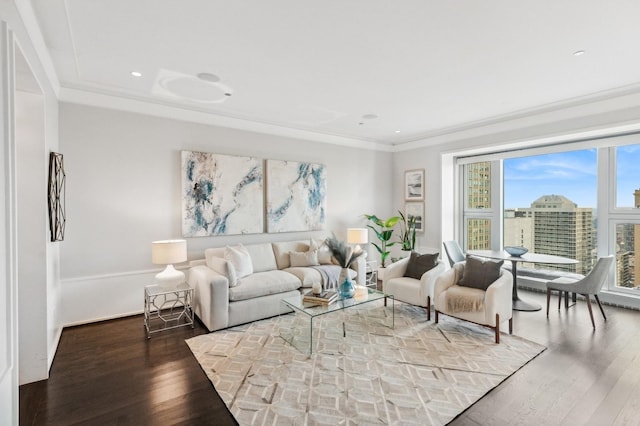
478	197
560	228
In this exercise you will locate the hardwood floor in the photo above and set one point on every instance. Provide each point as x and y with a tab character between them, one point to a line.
109	373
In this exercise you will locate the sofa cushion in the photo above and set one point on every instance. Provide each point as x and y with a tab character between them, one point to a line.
480	273
239	257
420	263
309	275
262	257
303	258
262	284
281	252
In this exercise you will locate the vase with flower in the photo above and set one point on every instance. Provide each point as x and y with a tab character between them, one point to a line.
345	255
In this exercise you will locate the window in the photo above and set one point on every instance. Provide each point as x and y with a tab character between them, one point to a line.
559	200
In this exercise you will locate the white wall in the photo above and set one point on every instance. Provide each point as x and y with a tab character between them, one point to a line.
15	38
123	191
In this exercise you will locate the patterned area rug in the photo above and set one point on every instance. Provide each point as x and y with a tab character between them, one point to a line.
361	371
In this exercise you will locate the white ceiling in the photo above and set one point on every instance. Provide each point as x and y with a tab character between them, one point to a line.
420	66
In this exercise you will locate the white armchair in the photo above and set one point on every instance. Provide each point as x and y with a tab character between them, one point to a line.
488	307
411	290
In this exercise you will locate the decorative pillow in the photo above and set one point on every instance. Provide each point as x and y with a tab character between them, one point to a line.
480	273
324	253
239	257
223	267
305	258
420	263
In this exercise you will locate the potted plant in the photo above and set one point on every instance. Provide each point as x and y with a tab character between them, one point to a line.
384	231
407	232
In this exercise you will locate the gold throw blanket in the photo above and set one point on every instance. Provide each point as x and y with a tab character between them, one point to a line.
464	299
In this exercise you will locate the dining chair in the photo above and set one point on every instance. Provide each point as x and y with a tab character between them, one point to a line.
587	286
454	252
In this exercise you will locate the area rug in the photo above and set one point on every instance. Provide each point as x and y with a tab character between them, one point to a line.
361	371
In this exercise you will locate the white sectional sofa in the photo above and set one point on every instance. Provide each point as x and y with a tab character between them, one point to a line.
225	295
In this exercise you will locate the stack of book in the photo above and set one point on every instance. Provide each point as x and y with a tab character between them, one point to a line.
325	297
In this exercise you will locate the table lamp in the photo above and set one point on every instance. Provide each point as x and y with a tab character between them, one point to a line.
357	236
168	252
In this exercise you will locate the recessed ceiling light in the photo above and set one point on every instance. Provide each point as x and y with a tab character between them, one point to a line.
578	53
207	76
136	73
370	116
397	131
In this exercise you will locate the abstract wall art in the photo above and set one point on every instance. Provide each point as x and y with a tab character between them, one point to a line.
296	196
57	183
221	194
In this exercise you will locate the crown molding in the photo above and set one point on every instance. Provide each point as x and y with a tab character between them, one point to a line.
146	107
583	106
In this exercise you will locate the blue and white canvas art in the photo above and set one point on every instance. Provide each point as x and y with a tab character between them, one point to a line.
296	196
221	194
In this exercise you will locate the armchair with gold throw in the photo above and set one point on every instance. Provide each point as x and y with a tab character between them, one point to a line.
478	291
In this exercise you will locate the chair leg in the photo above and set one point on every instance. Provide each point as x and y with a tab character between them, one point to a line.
428	308
497	328
548	300
600	304
436	319
559	299
511	325
590	310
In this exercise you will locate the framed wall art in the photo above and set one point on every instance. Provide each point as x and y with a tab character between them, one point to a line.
415	209
296	196
56	196
221	194
414	185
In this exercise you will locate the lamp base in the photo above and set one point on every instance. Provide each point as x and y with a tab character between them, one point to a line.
170	278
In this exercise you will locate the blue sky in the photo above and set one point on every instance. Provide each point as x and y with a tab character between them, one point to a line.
572	174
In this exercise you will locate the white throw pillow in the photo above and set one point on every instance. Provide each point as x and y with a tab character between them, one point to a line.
239	257
305	258
324	253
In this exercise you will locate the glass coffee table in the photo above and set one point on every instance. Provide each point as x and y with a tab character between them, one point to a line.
313	311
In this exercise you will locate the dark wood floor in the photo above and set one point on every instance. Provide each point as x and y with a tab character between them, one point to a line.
108	373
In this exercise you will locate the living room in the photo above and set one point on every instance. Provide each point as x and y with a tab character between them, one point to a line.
123	178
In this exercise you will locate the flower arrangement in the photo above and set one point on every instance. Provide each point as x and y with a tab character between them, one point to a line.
345	255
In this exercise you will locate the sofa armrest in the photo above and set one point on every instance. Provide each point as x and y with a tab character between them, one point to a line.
395	270
428	279
360	266
211	297
498	299
447	279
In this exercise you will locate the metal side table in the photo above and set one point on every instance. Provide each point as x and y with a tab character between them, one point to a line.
165	309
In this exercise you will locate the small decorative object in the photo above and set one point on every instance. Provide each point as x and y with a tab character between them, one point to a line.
346	288
384	233
168	252
516	251
414	185
316	288
345	255
57	178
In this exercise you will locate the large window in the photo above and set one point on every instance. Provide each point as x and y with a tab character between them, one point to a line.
559	201
550	205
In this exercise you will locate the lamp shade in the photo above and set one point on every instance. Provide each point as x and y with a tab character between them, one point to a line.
357	235
167	252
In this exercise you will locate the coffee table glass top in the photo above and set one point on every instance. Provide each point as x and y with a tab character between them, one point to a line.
316	309
301	336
